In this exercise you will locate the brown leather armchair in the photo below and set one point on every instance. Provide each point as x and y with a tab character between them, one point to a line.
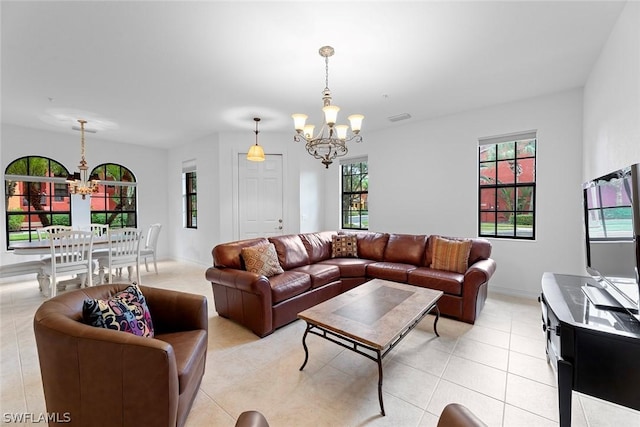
101	377
457	415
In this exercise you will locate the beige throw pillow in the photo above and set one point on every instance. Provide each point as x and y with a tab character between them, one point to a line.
262	259
344	246
451	255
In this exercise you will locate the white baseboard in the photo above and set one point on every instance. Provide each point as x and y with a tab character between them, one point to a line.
513	292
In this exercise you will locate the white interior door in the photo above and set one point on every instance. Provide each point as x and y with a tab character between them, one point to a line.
260	194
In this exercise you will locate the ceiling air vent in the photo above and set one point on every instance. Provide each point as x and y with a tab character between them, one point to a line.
398	117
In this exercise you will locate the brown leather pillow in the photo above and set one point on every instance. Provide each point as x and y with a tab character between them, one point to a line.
344	246
451	255
262	259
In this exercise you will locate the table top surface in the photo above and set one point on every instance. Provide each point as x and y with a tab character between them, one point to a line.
44	246
374	313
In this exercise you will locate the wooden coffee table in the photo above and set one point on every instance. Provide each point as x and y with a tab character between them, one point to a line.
374	316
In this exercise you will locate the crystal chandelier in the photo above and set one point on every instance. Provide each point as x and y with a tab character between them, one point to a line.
331	140
79	182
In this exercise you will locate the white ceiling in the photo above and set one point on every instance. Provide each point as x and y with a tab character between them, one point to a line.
166	73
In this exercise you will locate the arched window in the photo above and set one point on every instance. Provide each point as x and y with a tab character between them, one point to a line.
115	202
36	195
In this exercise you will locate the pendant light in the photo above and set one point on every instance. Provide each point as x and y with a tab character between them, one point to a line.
256	153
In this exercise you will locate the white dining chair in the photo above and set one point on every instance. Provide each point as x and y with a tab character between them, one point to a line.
124	251
97	229
150	246
45	232
70	254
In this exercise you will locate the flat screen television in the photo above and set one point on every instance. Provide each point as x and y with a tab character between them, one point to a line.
612	235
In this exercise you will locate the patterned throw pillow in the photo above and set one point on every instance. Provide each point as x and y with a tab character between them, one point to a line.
451	255
344	246
262	259
126	311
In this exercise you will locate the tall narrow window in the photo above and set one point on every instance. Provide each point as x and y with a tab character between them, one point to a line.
36	195
189	194
192	200
507	186
115	202
355	191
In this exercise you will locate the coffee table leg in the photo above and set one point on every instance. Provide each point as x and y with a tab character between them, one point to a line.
435	322
380	383
304	345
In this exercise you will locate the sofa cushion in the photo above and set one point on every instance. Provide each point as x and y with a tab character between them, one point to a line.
345	246
291	251
480	249
289	284
405	248
227	255
393	271
318	245
441	280
320	274
350	267
125	311
189	348
370	244
450	255
262	259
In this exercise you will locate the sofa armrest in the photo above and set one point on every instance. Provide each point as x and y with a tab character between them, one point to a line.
242	280
480	272
136	373
474	288
173	311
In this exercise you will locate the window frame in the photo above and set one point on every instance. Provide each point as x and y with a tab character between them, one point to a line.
108	184
511	197
362	194
191	199
48	199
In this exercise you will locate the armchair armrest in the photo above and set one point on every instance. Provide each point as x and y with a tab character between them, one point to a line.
173	311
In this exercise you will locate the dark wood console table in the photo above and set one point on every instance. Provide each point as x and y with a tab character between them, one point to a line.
593	351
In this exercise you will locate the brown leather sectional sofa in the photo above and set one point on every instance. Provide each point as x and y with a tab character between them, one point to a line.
312	276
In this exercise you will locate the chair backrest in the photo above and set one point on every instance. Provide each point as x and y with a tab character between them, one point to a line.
152	236
70	248
45	232
124	243
98	229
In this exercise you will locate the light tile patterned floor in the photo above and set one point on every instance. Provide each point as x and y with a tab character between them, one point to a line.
496	367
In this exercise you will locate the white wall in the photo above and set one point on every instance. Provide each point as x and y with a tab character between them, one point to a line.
612	100
231	144
194	244
217	166
148	165
423	179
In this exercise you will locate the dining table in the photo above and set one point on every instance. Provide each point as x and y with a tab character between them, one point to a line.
43	247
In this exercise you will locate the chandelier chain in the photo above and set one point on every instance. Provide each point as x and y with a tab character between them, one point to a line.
82	122
326	73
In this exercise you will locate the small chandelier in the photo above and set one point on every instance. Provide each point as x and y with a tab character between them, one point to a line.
256	153
331	141
79	182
